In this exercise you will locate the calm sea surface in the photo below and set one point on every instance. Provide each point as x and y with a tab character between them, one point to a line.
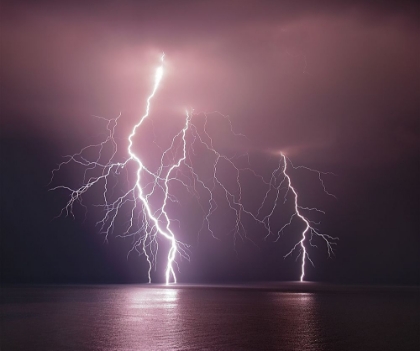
269	317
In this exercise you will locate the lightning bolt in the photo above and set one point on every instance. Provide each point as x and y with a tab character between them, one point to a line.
152	223
165	232
178	163
309	229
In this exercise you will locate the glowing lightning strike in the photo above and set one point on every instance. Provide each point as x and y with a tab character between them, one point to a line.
308	228
207	188
168	234
152	223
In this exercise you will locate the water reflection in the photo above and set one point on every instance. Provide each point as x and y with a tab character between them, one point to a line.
148	298
204	318
158	318
299	327
207	318
147	319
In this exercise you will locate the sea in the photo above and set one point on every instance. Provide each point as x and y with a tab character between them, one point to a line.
276	316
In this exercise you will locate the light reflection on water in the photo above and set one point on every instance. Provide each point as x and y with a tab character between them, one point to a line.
300	314
199	318
192	319
148	320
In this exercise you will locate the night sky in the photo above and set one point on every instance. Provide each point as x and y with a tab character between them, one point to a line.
335	85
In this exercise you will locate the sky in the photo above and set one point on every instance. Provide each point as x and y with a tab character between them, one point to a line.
335	85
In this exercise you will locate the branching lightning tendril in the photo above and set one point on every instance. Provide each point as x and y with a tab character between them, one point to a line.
148	224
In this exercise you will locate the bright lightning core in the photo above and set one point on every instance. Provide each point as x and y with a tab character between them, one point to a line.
164	231
147	223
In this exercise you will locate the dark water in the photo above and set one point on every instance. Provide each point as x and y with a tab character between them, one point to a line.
281	317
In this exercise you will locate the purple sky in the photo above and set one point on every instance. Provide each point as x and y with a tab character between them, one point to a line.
336	86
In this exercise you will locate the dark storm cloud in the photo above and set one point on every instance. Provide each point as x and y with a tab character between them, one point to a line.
299	76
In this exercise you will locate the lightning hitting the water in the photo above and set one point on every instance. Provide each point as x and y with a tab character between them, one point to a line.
152	224
148	223
329	240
